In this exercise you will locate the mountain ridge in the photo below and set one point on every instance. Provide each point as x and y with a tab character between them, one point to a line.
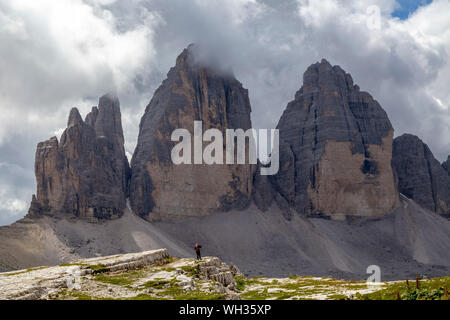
332	210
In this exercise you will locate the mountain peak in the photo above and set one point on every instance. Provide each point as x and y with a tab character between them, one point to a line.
86	175
110	104
197	57
325	62
335	138
109	97
188	56
195	90
323	76
74	118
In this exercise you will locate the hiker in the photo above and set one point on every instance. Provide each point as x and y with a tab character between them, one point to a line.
197	251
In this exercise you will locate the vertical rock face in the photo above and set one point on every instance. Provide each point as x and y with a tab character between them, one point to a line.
335	148
192	92
420	176
446	165
85	174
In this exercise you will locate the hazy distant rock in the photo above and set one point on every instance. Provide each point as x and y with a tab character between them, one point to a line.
335	148
86	173
192	91
420	176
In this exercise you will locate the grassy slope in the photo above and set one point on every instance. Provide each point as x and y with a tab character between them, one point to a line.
433	289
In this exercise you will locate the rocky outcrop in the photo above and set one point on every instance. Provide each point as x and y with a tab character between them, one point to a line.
420	176
159	189
149	275
335	149
86	173
124	262
214	269
44	283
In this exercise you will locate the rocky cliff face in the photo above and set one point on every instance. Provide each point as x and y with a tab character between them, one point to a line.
335	149
446	165
420	176
86	173
192	92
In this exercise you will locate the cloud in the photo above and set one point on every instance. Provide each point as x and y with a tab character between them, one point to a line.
65	53
58	52
403	64
14	180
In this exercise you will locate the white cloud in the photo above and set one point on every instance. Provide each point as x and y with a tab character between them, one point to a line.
14	207
236	11
14	197
57	51
404	64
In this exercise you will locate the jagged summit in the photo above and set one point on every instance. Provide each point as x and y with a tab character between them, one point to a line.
186	57
335	148
74	118
158	188
86	173
200	57
323	74
110	96
91	117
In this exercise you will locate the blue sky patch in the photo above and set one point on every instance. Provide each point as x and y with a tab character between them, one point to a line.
407	7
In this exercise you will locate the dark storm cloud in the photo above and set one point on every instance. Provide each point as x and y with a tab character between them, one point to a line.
65	53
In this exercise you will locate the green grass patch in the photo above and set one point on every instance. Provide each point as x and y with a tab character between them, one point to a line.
240	283
169	269
192	271
121	279
160	284
177	293
199	295
170	290
76	295
337	297
294	288
143	296
433	289
98	268
180	295
170	260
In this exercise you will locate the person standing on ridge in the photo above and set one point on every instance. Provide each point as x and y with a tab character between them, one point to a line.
197	251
